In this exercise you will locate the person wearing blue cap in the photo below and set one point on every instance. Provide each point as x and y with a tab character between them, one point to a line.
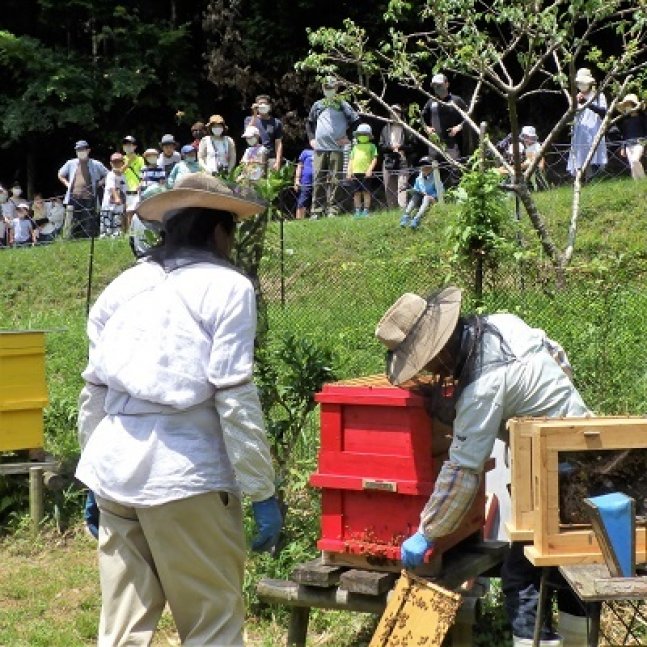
81	176
188	164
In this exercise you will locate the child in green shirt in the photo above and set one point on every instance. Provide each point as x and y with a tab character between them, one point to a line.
363	158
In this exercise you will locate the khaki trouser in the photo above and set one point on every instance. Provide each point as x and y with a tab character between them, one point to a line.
328	167
189	552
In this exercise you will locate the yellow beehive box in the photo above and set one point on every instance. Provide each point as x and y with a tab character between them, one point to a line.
23	389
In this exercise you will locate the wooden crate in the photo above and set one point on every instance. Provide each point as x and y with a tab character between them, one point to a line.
23	389
535	448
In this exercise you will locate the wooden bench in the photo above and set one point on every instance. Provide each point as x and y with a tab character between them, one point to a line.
315	584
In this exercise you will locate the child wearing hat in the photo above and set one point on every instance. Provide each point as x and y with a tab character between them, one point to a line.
152	173
114	198
633	126
361	164
253	165
424	194
189	164
24	231
169	157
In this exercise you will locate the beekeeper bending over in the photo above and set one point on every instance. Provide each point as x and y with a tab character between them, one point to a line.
499	368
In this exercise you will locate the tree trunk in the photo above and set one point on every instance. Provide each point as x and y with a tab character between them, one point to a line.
538	222
31	169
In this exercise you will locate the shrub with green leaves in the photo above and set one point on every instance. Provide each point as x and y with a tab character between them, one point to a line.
482	231
288	374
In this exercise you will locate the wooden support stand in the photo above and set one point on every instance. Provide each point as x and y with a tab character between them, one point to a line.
316	584
595	587
41	475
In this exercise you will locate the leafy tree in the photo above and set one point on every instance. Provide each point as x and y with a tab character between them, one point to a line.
515	50
104	72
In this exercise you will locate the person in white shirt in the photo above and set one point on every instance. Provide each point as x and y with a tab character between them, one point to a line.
171	426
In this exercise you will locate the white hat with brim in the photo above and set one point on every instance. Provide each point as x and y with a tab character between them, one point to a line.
630	102
415	330
203	191
251	131
529	131
583	75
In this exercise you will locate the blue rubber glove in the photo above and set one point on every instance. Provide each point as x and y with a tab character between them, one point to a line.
269	522
412	551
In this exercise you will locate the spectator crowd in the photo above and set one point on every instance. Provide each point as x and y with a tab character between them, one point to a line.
342	155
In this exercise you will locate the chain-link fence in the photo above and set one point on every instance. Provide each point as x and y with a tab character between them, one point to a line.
598	318
390	189
601	323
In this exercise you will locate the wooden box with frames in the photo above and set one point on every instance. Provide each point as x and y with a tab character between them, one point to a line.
540	450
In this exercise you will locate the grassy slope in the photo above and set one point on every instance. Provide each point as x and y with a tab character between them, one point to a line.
48	594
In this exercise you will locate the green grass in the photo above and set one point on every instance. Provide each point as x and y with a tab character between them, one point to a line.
340	275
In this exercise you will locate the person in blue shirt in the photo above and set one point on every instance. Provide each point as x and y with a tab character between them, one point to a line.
423	196
303	182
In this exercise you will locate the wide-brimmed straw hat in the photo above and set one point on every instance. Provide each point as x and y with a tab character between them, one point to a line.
630	102
583	75
415	330
216	119
205	191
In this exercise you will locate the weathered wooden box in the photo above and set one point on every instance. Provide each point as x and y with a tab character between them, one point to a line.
23	389
543	452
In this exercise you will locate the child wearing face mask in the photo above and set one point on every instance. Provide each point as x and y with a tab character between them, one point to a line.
425	193
363	158
217	151
270	129
188	164
633	126
253	165
16	196
24	231
114	198
152	173
132	171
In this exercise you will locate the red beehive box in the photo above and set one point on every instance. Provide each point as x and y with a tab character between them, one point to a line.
378	461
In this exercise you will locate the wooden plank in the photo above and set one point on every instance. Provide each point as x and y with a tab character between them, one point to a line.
23	468
315	573
622	588
465	566
593	583
379	564
366	582
295	595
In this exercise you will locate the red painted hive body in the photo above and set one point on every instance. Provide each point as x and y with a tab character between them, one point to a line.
378	461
